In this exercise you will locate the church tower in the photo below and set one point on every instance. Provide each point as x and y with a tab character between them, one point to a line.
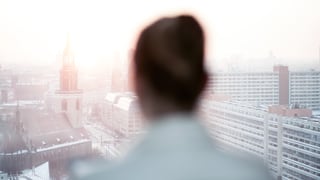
70	97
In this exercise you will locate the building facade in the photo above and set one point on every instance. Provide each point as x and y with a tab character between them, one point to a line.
305	88
122	114
259	88
286	138
279	87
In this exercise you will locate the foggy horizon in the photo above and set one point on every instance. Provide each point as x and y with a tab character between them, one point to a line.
237	32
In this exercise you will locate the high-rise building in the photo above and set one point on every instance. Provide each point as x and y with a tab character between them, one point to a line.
305	89
287	138
259	88
279	87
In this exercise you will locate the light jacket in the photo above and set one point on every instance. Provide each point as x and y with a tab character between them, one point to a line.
177	147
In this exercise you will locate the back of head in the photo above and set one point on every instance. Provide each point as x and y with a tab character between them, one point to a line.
169	65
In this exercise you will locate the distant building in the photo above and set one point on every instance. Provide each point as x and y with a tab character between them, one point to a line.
123	118
68	98
127	117
122	114
30	91
279	87
35	135
108	106
305	89
7	84
4	96
260	88
286	138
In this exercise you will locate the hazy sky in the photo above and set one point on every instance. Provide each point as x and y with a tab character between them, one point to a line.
35	30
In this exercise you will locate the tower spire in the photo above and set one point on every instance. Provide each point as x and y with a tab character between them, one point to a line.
68	72
70	97
68	58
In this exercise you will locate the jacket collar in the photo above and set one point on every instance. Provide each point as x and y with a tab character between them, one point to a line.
175	133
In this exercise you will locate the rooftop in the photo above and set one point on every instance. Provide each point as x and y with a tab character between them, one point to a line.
313	118
43	131
125	103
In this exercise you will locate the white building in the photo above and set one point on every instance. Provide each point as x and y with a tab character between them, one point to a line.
305	89
127	116
300	148
269	88
261	88
107	109
122	114
287	139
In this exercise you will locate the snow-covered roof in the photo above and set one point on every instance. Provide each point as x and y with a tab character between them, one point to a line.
63	145
125	102
111	97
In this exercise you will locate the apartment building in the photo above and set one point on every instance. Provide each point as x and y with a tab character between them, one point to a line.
288	139
305	89
247	87
277	87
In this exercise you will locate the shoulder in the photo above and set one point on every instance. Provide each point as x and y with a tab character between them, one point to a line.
207	165
242	166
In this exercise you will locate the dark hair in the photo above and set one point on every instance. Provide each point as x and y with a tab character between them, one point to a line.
169	58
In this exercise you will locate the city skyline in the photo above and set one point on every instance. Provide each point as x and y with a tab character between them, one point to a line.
68	90
104	120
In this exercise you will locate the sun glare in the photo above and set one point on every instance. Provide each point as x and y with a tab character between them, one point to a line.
37	29
84	49
87	39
